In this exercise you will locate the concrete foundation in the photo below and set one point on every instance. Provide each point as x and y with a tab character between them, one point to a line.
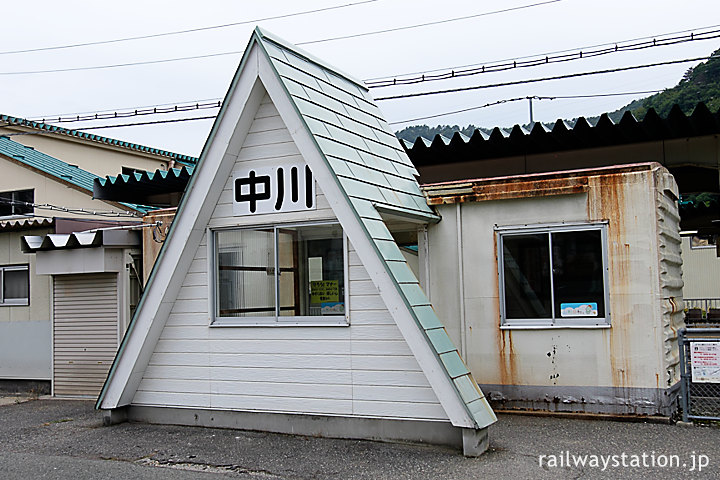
472	442
113	417
584	399
25	387
475	442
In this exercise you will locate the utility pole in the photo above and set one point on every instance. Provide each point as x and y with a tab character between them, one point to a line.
532	122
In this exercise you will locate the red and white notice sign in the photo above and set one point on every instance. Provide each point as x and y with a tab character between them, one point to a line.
705	362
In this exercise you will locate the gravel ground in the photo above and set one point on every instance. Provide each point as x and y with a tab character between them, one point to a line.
65	438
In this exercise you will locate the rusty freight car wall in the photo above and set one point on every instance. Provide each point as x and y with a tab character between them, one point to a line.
627	365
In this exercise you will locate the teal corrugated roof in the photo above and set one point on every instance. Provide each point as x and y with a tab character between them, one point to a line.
141	186
97	138
375	173
53	166
158	176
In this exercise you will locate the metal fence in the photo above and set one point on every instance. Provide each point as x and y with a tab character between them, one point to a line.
700	373
702	311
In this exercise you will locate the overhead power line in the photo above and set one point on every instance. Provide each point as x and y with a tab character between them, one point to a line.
238	52
116	109
536	80
696	31
516	99
543	59
120	65
130	113
427	24
498	102
80	211
118	125
190	30
454	72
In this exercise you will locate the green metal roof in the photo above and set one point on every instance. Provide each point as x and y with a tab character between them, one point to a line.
54	167
97	138
142	184
375	173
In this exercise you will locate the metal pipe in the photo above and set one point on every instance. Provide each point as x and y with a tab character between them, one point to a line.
124	227
691	330
461	278
683	375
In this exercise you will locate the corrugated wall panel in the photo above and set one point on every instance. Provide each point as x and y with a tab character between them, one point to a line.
671	284
85	339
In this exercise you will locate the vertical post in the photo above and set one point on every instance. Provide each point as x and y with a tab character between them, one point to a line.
461	278
683	375
530	99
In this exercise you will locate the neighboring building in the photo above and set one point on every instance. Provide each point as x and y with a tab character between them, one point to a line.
281	300
563	289
700	260
483	169
51	193
91	152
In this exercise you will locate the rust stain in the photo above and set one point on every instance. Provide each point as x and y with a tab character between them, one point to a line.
522	186
506	351
508	370
607	201
509	189
153	238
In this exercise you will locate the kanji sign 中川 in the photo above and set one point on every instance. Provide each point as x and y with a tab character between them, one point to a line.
273	189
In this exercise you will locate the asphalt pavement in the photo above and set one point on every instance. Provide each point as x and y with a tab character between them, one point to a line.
60	439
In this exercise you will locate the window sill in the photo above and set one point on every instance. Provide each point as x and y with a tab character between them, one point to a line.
254	323
554	327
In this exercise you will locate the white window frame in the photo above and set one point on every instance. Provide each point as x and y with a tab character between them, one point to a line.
701	247
555	320
277	320
14	301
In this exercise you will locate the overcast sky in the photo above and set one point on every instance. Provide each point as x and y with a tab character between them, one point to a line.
528	28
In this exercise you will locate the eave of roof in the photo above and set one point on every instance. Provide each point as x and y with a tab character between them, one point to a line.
561	137
26	223
124	187
67	241
21	122
522	186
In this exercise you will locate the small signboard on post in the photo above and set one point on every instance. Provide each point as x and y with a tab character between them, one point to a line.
705	362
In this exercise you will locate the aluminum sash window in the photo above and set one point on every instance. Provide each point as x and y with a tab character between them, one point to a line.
15	285
294	274
553	275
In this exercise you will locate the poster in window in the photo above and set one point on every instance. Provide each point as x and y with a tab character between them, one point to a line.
705	362
324	291
588	309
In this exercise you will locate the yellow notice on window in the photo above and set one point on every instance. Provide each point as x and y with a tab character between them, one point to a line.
324	291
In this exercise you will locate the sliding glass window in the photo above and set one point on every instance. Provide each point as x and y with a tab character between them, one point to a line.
280	274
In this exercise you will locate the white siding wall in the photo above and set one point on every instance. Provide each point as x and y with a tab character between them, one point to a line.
701	271
366	369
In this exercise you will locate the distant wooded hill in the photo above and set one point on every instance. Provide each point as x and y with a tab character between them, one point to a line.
699	84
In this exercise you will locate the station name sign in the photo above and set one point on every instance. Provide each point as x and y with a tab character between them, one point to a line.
273	188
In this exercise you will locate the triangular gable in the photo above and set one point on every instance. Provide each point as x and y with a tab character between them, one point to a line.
361	168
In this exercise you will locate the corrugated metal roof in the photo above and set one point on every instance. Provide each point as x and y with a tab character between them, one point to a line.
15	121
26	223
65	241
52	166
374	171
561	137
142	184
